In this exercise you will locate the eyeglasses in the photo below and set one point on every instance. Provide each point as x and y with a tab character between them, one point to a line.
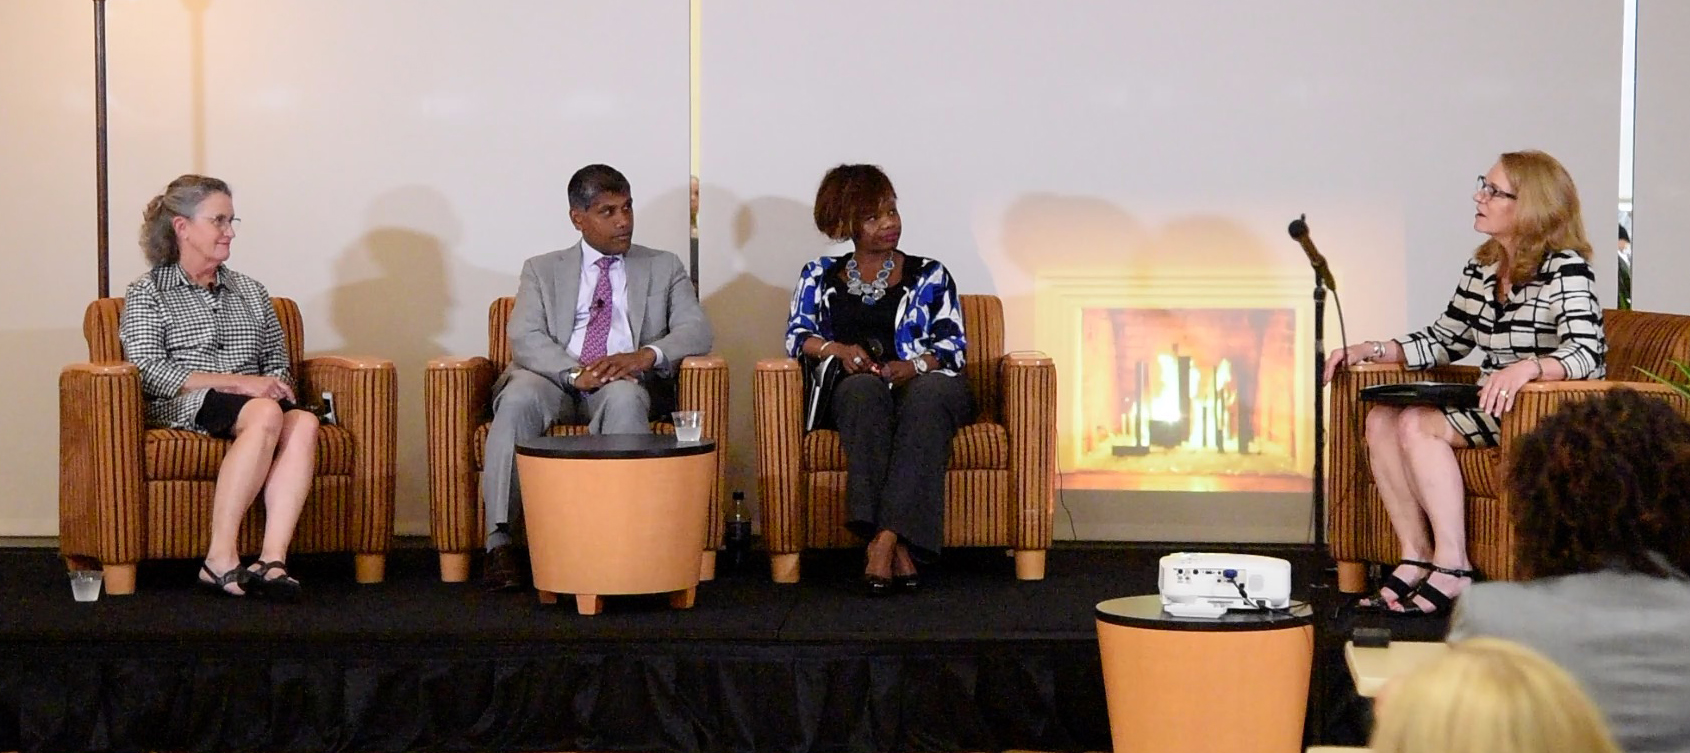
224	223
1490	191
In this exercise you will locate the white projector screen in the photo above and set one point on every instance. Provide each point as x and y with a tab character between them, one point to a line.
1097	163
394	162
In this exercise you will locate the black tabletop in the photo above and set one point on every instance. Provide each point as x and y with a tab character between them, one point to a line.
612	447
1146	612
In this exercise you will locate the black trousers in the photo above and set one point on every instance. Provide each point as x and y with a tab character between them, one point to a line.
896	445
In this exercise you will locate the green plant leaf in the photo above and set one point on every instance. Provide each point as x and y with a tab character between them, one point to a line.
1683	389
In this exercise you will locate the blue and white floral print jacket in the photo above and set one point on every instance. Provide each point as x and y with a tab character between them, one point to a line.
929	316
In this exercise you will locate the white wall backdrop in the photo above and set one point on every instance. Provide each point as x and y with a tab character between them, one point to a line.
1661	193
1039	139
394	162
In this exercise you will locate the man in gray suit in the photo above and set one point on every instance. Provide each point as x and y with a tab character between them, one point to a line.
597	335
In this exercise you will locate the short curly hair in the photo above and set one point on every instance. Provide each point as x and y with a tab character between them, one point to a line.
848	195
1604	482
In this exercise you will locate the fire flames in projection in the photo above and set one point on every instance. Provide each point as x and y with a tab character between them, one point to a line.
1187	400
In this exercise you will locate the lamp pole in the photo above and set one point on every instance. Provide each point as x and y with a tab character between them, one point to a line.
103	211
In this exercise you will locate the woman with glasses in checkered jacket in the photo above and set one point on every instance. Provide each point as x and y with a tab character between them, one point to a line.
213	360
1527	300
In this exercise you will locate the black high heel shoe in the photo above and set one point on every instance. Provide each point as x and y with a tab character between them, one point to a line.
907	583
874	585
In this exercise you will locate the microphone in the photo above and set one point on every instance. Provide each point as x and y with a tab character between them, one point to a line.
1300	233
598	303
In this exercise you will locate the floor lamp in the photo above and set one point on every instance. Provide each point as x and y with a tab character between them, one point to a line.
102	211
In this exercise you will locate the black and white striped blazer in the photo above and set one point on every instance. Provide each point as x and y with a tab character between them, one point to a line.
1554	315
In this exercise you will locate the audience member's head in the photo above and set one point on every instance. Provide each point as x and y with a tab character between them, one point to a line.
1625	238
1489	696
1604	483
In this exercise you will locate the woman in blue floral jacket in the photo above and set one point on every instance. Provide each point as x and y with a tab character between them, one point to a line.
893	321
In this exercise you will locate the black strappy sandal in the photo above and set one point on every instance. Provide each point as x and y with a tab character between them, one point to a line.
1403	589
1441	602
281	588
219	584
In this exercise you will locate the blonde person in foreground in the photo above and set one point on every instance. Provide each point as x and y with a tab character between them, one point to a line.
1527	300
213	360
1489	696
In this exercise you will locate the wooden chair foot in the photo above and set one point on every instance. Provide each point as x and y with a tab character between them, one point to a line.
589	604
547	597
683	599
454	567
120	579
1352	576
707	565
1030	564
370	568
784	567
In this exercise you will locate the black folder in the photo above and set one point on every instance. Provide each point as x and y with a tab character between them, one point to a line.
1440	394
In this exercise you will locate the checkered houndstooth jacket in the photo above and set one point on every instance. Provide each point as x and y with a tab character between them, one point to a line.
172	327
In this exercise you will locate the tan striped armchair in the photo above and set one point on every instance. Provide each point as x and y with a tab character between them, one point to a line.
128	492
1000	486
458	393
1358	528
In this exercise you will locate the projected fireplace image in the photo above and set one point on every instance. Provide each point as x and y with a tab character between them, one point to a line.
1187	399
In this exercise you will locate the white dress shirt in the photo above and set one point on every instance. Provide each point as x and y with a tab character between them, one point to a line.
621	336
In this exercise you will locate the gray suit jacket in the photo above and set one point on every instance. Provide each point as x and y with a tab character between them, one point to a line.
1625	636
663	311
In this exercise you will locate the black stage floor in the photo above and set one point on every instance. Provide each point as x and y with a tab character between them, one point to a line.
975	661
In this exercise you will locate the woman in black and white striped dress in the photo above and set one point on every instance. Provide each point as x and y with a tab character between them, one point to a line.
1527	300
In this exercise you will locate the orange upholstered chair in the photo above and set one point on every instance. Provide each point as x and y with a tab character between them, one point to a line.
458	393
1000	486
129	493
1357	526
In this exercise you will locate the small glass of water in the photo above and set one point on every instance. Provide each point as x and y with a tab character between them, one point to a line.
85	584
689	425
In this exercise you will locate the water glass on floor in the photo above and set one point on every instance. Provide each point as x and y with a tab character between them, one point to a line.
689	425
85	584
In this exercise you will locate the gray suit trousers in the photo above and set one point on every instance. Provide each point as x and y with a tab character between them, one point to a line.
526	406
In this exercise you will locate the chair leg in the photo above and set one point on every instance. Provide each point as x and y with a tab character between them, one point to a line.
120	579
1352	576
784	567
454	567
1030	564
370	568
707	565
683	599
589	604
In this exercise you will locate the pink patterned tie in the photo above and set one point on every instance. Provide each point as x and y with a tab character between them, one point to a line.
598	318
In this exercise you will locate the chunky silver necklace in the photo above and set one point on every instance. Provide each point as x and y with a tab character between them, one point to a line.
870	292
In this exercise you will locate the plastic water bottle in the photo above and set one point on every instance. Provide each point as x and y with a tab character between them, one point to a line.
737	535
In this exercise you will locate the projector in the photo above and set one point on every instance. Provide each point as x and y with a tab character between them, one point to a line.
1205	584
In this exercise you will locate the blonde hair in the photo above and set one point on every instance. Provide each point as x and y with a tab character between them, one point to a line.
1489	696
180	199
1546	216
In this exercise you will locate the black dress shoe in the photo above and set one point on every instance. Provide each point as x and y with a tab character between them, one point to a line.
874	585
504	570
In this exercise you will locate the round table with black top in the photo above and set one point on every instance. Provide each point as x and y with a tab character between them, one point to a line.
1236	682
615	514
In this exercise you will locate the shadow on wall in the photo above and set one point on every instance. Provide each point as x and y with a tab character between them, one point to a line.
398	292
771	240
